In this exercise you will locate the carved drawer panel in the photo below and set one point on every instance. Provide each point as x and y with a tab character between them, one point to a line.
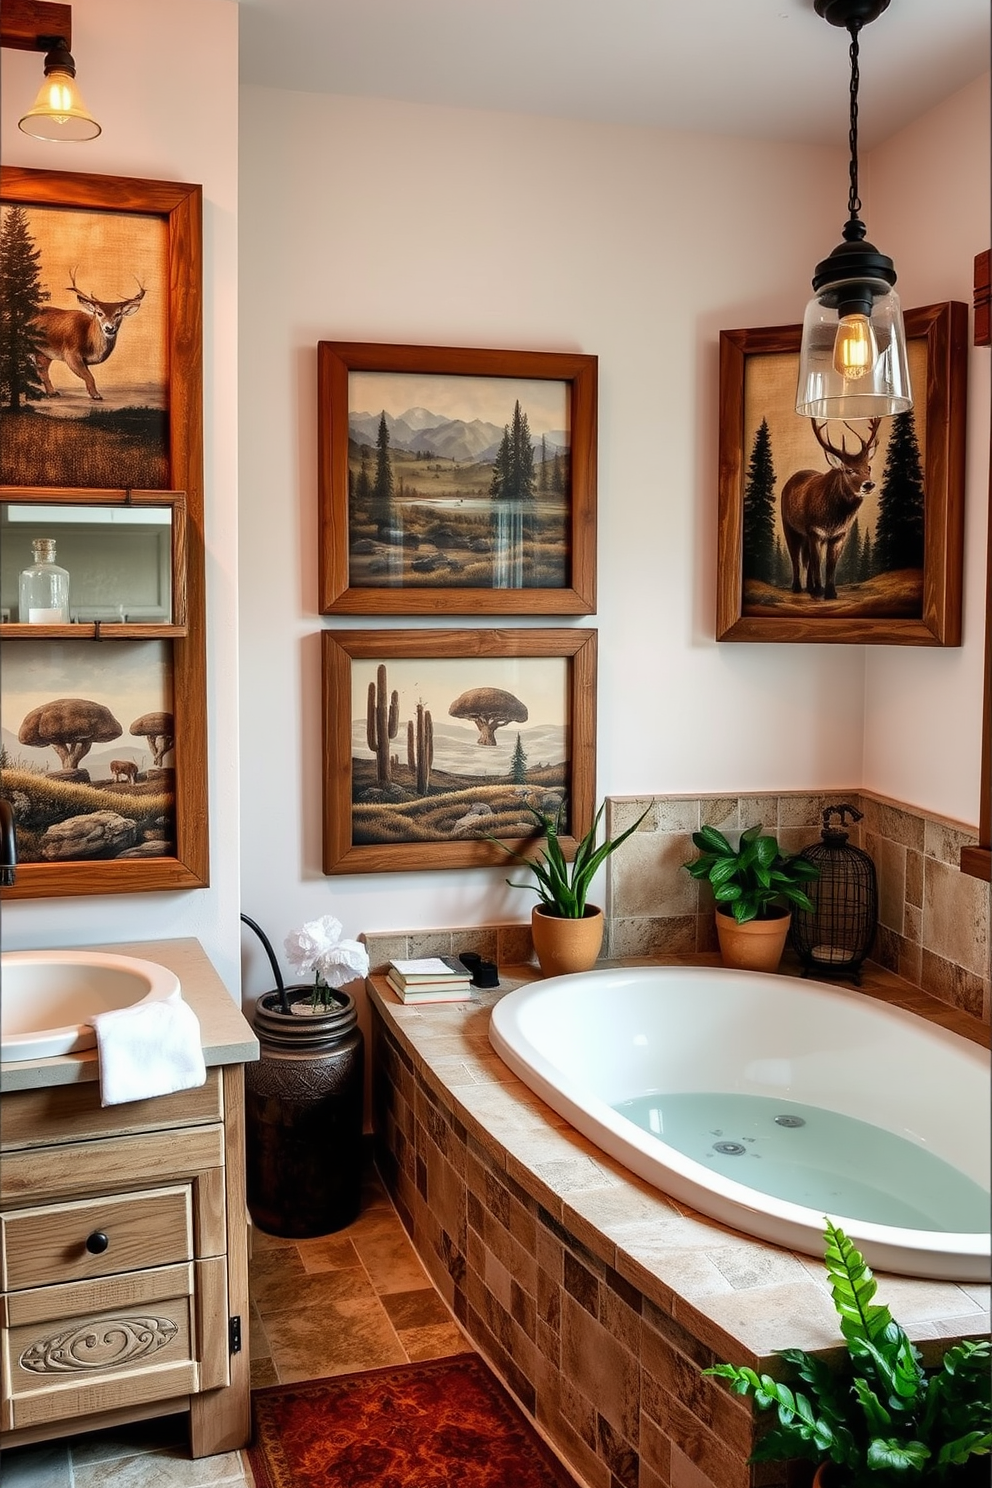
70	1351
60	1243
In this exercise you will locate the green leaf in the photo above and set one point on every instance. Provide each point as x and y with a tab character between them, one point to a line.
974	1444
897	1456
710	840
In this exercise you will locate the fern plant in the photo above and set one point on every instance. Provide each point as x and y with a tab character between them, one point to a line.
885	1420
562	887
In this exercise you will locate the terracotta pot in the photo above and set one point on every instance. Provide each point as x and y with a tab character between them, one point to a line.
565	945
757	945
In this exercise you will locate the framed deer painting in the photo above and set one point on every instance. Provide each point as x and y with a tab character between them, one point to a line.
101	401
842	532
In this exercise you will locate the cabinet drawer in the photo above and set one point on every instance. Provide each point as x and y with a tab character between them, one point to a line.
63	1172
70	1351
65	1242
73	1113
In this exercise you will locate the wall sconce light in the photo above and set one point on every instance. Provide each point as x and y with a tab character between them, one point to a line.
853	361
58	112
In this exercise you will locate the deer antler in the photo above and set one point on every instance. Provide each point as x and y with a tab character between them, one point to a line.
824	443
872	431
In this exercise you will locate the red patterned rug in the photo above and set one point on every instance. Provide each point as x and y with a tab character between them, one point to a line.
446	1423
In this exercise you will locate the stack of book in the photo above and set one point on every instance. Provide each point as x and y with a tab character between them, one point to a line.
430	979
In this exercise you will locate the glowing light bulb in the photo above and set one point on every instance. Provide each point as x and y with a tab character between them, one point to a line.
855	347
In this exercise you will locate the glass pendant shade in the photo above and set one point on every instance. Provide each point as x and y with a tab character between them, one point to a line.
853	362
58	113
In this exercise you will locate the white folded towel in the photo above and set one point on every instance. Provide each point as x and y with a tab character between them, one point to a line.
151	1048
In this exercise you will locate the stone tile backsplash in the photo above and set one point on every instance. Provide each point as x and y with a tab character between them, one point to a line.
933	919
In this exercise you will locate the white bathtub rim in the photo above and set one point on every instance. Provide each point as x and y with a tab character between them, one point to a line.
939	1255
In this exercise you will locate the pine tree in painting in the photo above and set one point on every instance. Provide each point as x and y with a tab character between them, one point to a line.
899	530
758	552
518	764
500	483
523	454
849	563
866	564
21	297
382	486
513	470
783	567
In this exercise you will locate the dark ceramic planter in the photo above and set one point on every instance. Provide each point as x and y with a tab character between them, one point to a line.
304	1101
303	1107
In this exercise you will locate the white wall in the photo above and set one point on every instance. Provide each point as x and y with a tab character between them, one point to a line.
174	117
930	209
380	221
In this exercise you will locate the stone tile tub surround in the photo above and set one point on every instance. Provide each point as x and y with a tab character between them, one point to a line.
933	919
596	1298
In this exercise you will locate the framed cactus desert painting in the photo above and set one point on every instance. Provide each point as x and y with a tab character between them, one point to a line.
842	531
437	741
456	478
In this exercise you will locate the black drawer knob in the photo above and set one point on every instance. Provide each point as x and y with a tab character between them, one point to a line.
97	1243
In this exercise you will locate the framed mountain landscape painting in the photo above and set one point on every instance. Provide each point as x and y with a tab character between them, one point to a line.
456	479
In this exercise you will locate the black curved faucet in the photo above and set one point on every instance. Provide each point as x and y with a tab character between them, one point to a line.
8	844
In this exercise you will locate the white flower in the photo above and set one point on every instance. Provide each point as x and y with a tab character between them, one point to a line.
318	947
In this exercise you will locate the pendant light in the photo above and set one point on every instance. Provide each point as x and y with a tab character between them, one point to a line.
852	361
58	112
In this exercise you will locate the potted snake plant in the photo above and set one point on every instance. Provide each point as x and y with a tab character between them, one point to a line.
566	929
881	1420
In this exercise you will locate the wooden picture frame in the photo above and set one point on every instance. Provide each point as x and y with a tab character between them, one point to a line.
178	208
428	534
917	607
403	785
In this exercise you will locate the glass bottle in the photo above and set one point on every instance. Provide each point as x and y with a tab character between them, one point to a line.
43	593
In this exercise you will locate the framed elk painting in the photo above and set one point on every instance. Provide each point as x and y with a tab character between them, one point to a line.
456	479
101	401
436	741
842	531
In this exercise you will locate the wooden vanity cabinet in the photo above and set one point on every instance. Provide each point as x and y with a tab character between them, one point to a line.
123	1261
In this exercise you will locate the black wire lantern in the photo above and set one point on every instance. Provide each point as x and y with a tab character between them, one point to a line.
834	937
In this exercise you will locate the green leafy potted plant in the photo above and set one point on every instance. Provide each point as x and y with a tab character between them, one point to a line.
883	1420
567	931
753	885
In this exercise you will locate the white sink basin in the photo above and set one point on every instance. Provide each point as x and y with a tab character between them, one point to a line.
47	994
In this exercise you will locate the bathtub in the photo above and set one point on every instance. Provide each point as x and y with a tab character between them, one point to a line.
816	1057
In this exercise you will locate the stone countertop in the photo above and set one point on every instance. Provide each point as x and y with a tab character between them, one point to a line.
744	1297
226	1035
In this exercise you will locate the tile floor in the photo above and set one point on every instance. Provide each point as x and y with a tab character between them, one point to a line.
359	1299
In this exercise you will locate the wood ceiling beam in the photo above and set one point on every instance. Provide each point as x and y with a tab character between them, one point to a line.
23	22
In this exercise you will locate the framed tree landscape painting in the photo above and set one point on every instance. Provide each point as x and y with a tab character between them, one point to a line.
842	531
456	479
437	741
